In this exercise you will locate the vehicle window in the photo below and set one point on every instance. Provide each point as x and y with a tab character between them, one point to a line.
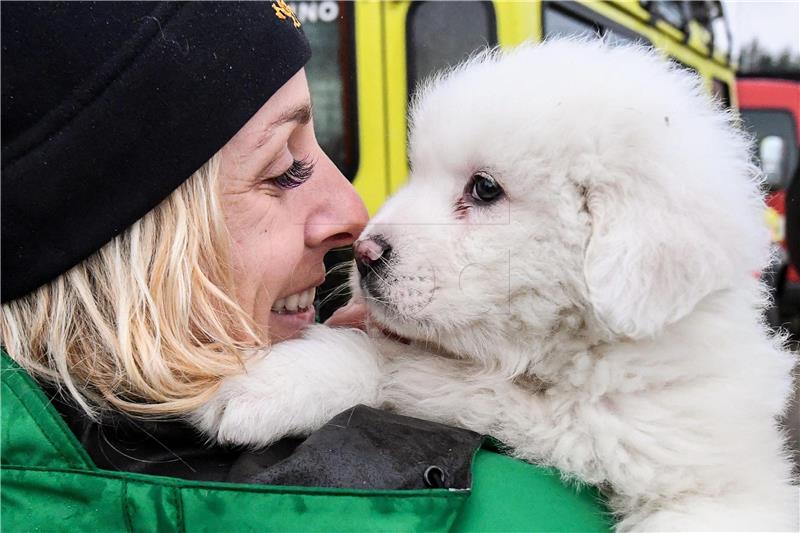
572	20
721	91
331	78
442	34
559	23
764	123
671	11
721	35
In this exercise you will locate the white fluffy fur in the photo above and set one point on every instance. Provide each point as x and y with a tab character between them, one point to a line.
603	317
293	389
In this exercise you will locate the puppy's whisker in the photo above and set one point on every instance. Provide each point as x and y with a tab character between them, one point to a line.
339	290
382	301
338	267
377	299
385	283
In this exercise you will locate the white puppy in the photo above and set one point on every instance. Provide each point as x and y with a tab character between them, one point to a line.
574	264
575	259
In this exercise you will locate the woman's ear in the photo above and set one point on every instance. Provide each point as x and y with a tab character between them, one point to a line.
649	260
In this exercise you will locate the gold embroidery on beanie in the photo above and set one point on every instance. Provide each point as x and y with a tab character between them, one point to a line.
283	11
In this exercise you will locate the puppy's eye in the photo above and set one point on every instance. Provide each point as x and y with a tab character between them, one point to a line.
485	189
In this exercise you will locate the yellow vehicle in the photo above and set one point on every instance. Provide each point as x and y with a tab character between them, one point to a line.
369	55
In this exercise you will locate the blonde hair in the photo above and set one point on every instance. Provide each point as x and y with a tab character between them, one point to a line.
147	324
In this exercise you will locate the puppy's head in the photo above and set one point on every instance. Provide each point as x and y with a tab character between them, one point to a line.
564	191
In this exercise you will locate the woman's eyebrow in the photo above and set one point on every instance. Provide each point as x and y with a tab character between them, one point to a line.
300	114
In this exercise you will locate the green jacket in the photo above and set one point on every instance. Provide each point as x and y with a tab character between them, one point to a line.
48	483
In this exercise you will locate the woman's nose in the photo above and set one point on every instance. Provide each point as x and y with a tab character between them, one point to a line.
339	216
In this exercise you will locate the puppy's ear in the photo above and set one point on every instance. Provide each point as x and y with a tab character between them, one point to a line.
648	263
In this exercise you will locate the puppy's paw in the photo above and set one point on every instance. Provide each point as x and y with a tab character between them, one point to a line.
293	389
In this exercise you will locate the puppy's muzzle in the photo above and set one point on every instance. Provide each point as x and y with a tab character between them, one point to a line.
372	259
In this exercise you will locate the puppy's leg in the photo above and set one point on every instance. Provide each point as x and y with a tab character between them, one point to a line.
459	393
665	476
741	512
702	468
293	389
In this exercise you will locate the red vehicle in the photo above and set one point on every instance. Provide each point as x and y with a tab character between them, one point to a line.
770	108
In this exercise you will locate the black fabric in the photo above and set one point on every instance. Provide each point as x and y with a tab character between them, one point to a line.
371	449
359	448
108	107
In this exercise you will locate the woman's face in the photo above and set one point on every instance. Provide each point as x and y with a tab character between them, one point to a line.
285	205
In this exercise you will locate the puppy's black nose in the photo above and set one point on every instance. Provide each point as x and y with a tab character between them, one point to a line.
372	255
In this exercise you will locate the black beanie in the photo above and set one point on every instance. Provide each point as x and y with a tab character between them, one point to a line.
108	107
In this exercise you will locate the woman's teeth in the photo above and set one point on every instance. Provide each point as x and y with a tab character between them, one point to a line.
295	302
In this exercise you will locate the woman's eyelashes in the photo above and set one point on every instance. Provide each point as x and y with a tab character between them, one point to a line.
295	175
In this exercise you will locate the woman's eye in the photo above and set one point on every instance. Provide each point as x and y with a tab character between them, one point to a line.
484	188
296	175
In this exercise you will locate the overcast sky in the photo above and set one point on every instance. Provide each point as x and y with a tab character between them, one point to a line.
776	24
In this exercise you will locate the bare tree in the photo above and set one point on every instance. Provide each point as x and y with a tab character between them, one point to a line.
754	58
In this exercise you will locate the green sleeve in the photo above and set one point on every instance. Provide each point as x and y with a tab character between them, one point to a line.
510	495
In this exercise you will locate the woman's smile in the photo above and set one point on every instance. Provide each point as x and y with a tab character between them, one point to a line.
295	303
291	323
286	205
292	313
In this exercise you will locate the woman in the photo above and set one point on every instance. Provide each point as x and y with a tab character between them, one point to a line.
129	292
258	172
